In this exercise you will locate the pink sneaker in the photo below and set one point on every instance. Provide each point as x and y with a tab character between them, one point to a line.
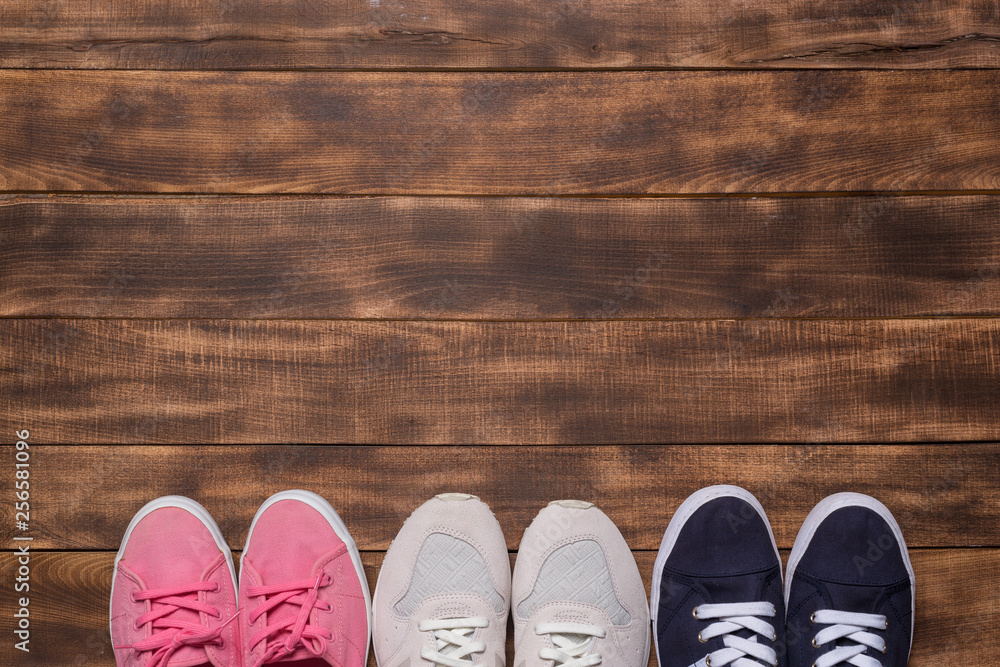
173	592
303	594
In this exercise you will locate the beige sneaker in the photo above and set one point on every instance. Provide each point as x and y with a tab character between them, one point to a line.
444	588
578	599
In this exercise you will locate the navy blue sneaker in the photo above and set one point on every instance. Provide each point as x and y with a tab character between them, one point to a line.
716	592
850	587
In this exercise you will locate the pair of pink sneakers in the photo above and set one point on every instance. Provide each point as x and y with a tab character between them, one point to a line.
302	599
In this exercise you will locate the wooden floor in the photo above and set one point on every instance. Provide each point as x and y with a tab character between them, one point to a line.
715	241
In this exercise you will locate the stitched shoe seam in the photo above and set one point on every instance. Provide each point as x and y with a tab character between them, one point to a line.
898	616
676	610
847	582
715	575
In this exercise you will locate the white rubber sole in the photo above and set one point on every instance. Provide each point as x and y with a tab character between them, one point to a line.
831	504
180	502
320	504
677	521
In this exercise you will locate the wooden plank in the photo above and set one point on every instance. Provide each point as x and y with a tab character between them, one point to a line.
499	133
178	381
518	34
942	496
499	258
70	590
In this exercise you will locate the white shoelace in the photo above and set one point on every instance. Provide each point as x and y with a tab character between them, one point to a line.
572	643
851	626
454	641
732	618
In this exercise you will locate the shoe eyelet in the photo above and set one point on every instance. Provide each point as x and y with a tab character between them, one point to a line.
708	661
217	588
774	637
135	626
131	596
813	642
886	626
694	612
812	617
700	639
885	649
221	644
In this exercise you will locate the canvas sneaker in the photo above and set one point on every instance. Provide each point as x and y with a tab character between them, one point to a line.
850	587
715	595
577	595
173	592
303	594
444	588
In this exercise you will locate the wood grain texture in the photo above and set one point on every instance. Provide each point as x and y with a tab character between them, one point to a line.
956	588
499	133
499	258
181	381
942	496
276	34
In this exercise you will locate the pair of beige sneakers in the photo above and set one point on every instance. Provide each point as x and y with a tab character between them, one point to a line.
445	589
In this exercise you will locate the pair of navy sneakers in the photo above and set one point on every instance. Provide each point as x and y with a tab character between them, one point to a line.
717	597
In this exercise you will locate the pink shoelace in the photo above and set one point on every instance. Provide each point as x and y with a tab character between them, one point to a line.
299	633
175	634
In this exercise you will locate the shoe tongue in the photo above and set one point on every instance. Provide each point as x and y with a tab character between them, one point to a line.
577	639
736	590
289	611
275	568
448	649
446	611
185	655
297	655
282	612
580	617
